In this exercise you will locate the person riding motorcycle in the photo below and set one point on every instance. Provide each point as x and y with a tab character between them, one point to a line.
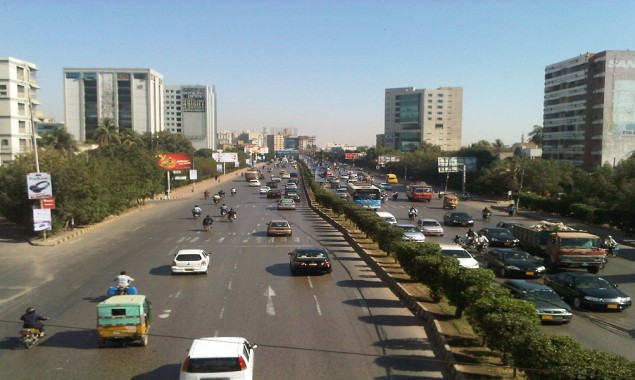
413	212
486	213
231	214
395	195
611	245
223	209
123	281
471	237
481	242
233	191
221	193
196	211
31	320
216	198
207	222
206	194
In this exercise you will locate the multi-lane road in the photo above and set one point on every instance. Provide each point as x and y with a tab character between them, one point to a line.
344	325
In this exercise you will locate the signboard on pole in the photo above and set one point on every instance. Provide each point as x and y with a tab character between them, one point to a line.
174	161
193	174
42	219
456	164
39	185
48	203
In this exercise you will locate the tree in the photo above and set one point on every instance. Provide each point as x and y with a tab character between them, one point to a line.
107	133
60	140
535	136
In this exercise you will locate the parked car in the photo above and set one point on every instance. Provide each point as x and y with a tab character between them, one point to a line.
549	306
190	261
509	262
411	232
274	193
455	218
279	228
466	260
500	237
286	204
254	183
430	227
388	217
264	189
589	291
309	260
219	358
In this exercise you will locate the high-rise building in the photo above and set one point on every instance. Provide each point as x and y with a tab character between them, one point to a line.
18	100
130	98
589	109
191	111
413	117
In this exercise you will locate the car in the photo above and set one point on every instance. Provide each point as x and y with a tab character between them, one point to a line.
466	260
286	204
411	232
293	194
454	218
309	260
588	291
549	306
388	217
272	184
274	193
279	227
219	358
293	179
291	186
510	262
294	174
190	261
342	193
499	237
275	179
507	225
385	186
254	183
264	189
430	227
286	176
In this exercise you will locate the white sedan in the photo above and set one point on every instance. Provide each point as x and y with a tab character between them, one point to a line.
264	189
254	183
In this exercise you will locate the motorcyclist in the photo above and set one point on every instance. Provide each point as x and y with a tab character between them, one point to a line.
233	191
123	281
610	244
223	209
413	212
471	237
216	198
231	214
221	193
395	195
31	320
196	211
511	209
207	222
206	194
486	213
481	241
457	240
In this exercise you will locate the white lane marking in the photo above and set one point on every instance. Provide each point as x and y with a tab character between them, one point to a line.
181	240
317	305
270	293
165	314
175	295
310	282
229	286
221	239
222	310
195	239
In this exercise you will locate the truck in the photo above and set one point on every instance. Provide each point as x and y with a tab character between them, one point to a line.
251	174
421	192
562	246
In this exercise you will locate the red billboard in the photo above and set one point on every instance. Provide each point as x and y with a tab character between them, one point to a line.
351	155
174	161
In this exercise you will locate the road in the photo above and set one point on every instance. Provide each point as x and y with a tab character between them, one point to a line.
346	325
612	332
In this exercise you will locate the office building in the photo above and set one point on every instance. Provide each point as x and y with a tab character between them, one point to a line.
413	117
130	98
191	111
589	109
18	102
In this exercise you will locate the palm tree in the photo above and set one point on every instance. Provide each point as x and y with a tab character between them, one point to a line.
107	133
60	140
535	136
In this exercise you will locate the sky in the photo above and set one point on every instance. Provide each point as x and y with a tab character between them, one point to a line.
323	66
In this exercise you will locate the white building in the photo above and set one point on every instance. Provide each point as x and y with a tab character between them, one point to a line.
191	111
18	99
131	98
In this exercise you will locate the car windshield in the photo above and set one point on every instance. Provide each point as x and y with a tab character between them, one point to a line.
501	232
517	256
458	253
580	243
429	223
310	255
592	283
542	295
207	365
279	224
409	229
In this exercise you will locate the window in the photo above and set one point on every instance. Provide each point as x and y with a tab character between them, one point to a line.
20	72
5	142
3	90
22	126
21	109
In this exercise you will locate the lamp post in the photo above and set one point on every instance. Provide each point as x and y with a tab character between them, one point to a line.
520	186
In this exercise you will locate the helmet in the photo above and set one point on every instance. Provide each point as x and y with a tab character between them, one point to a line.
195	205
122	272
30	310
610	237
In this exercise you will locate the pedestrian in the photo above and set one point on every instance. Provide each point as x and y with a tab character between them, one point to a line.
216	177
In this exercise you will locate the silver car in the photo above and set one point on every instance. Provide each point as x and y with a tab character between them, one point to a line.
411	233
430	227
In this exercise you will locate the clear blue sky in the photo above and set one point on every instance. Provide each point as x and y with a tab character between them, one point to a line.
322	66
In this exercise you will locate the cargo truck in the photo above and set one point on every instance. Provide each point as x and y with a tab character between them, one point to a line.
421	192
562	246
251	174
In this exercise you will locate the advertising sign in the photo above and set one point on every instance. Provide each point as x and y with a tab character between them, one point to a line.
456	164
225	157
193	99
351	156
39	185
193	174
42	219
174	161
48	203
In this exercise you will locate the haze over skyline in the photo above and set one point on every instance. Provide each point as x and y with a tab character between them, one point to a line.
323	67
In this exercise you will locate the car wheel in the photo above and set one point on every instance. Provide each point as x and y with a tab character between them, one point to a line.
577	303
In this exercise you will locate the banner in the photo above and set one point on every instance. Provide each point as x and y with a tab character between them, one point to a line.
42	219
174	161
39	185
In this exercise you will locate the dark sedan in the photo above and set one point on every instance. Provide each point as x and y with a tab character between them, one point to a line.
586	290
309	260
500	237
549	306
513	263
458	219
274	193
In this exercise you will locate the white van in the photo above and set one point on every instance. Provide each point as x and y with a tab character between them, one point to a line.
390	218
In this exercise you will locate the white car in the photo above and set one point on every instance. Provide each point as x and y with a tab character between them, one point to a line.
254	183
411	232
264	189
190	261
466	260
388	217
286	176
430	227
341	193
219	358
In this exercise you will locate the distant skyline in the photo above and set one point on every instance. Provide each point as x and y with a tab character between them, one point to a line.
323	67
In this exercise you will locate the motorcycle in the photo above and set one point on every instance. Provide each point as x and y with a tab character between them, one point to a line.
233	192
223	211
481	247
196	214
460	241
395	195
207	227
487	216
121	290
30	336
231	217
412	215
384	198
216	198
206	195
611	250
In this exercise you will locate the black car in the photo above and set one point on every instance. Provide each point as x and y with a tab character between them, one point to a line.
507	225
586	290
549	306
274	193
513	263
309	260
499	237
454	218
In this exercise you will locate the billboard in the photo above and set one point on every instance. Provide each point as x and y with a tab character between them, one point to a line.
456	164
351	155
39	185
225	157
174	161
42	219
193	99
382	160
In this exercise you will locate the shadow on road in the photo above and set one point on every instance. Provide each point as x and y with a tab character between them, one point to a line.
168	371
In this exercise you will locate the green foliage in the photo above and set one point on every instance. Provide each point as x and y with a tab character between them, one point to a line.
464	286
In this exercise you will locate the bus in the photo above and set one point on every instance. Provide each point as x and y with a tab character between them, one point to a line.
391	178
367	196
